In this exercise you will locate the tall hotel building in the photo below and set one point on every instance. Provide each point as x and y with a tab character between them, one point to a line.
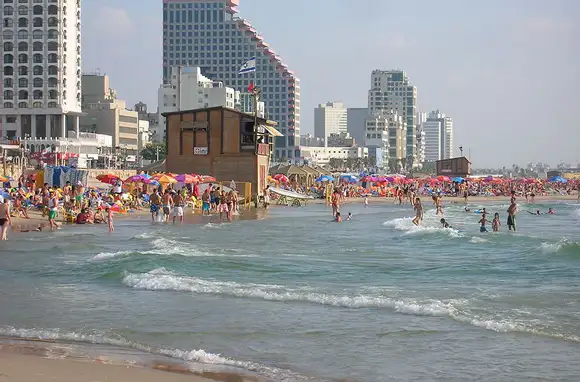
208	34
41	68
391	91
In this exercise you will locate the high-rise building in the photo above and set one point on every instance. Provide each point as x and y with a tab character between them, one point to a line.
391	91
329	118
385	137
208	34
41	76
438	130
356	123
421	118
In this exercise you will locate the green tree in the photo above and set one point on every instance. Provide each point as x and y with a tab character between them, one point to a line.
336	163
151	150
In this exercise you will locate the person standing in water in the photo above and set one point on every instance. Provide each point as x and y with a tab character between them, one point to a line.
418	207
110	219
495	223
511	220
335	200
4	217
483	221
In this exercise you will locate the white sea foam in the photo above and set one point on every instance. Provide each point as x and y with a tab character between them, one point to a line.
406	225
197	355
109	255
551	247
477	240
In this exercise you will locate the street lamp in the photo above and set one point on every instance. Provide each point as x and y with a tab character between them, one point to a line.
461	150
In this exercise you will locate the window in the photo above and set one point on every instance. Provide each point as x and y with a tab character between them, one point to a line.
23	10
8	10
37	34
8	35
52	10
38	70
52	70
23	94
8	82
22	105
37	105
22	34
37	46
52	94
22	70
8	105
52	105
37	22
8	47
37	10
127	119
23	47
23	58
23	82
52	33
37	58
52	58
52	82
52	22
22	22
8	59
52	46
8	23
8	94
37	94
8	71
37	83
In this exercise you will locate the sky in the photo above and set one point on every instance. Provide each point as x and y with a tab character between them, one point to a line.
506	71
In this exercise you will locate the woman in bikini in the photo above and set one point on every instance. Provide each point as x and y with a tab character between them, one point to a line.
4	217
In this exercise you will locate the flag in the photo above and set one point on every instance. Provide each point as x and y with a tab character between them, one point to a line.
248	66
251	87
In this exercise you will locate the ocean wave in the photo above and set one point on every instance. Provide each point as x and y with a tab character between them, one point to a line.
563	247
457	309
406	225
196	355
477	240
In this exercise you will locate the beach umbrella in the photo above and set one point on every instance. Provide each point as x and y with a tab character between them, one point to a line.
165	179
152	182
557	179
458	179
349	178
140	178
207	179
443	178
325	178
107	178
369	178
3	179
281	178
187	178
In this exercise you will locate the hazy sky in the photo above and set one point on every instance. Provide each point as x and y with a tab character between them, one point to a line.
506	71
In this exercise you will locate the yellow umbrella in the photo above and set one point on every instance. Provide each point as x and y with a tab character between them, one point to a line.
165	179
3	179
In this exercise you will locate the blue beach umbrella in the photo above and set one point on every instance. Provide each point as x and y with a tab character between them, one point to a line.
349	178
458	179
558	179
325	178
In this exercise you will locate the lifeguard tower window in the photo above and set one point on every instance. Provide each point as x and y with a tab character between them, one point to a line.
247	136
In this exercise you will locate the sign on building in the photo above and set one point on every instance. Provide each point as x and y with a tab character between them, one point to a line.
200	151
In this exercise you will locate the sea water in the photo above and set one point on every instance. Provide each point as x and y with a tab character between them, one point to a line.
292	296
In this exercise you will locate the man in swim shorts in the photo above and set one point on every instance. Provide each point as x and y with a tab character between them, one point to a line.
511	220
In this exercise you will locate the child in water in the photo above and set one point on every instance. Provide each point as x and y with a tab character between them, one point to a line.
338	218
483	221
445	224
495	224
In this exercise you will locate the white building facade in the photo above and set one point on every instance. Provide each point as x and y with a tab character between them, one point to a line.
391	91
385	135
41	69
330	118
438	129
208	34
421	118
321	156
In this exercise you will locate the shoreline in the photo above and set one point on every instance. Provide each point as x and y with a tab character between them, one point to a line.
27	360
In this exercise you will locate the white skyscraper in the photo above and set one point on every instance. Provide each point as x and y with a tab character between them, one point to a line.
421	118
391	91
210	34
438	129
330	118
41	76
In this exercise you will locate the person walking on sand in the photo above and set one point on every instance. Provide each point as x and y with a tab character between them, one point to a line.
418	207
4	217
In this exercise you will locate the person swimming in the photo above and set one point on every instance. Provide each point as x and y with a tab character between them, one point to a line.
467	209
551	211
337	218
444	223
349	217
534	213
